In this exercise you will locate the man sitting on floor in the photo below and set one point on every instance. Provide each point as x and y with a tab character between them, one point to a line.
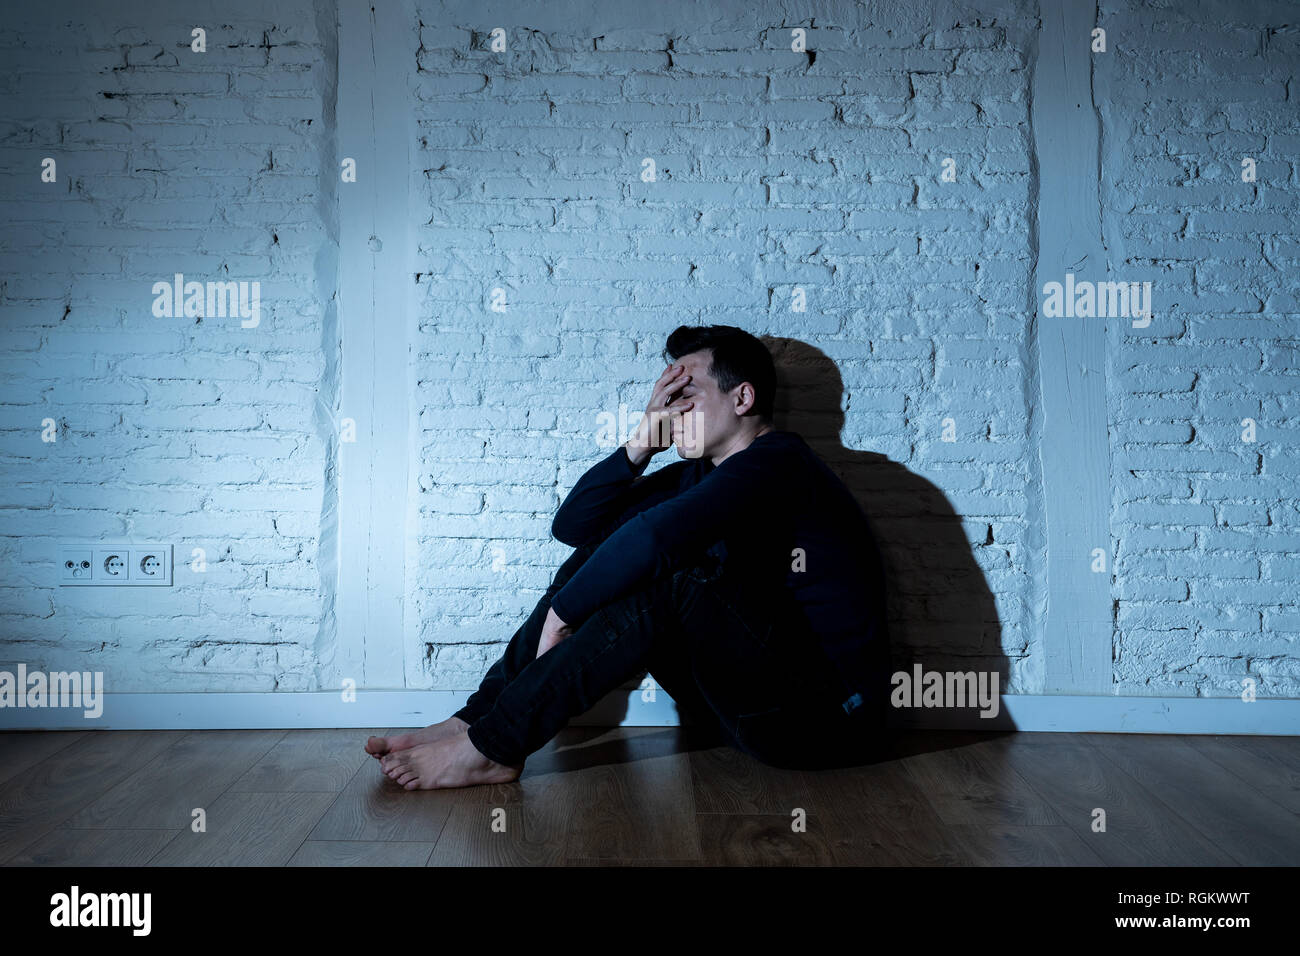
744	578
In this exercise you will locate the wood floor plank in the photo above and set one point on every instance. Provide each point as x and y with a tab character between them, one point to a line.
191	774
965	786
584	746
588	863
642	807
760	839
1284	751
22	750
46	795
360	853
876	815
999	845
726	780
525	834
308	761
537	813
1270	764
372	808
248	829
650	796
1067	771
538	808
1241	821
87	847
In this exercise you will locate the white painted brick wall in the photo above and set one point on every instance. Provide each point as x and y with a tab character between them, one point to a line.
771	173
195	431
1205	526
774	169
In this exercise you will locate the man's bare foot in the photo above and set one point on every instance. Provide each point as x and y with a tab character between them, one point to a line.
378	746
443	763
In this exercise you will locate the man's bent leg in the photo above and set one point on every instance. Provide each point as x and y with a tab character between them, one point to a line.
610	647
670	668
522	649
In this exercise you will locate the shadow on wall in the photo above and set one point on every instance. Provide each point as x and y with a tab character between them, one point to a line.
941	612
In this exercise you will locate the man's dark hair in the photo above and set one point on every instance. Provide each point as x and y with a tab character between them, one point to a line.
737	357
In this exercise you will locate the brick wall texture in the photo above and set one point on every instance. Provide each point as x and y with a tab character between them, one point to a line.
621	169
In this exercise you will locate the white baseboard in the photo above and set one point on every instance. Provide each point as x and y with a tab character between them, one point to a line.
415	708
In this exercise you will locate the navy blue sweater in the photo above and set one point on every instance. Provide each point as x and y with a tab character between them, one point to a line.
751	512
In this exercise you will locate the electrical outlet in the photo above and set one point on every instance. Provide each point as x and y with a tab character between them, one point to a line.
110	565
152	564
102	563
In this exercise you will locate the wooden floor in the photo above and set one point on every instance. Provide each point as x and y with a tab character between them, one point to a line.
649	795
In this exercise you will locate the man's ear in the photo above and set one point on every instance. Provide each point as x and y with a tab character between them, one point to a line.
745	397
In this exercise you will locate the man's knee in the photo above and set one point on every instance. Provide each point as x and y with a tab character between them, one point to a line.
569	567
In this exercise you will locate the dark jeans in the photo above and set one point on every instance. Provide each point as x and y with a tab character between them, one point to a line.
732	658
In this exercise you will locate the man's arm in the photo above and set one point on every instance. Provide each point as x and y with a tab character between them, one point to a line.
657	539
610	492
611	486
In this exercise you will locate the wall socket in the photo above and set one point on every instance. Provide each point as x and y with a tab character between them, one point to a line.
107	564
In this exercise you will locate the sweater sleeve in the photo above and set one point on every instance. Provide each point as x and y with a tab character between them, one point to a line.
606	493
660	538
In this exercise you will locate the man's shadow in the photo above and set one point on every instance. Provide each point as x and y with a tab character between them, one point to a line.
940	610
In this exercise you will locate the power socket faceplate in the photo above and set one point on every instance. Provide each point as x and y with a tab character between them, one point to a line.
106	564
